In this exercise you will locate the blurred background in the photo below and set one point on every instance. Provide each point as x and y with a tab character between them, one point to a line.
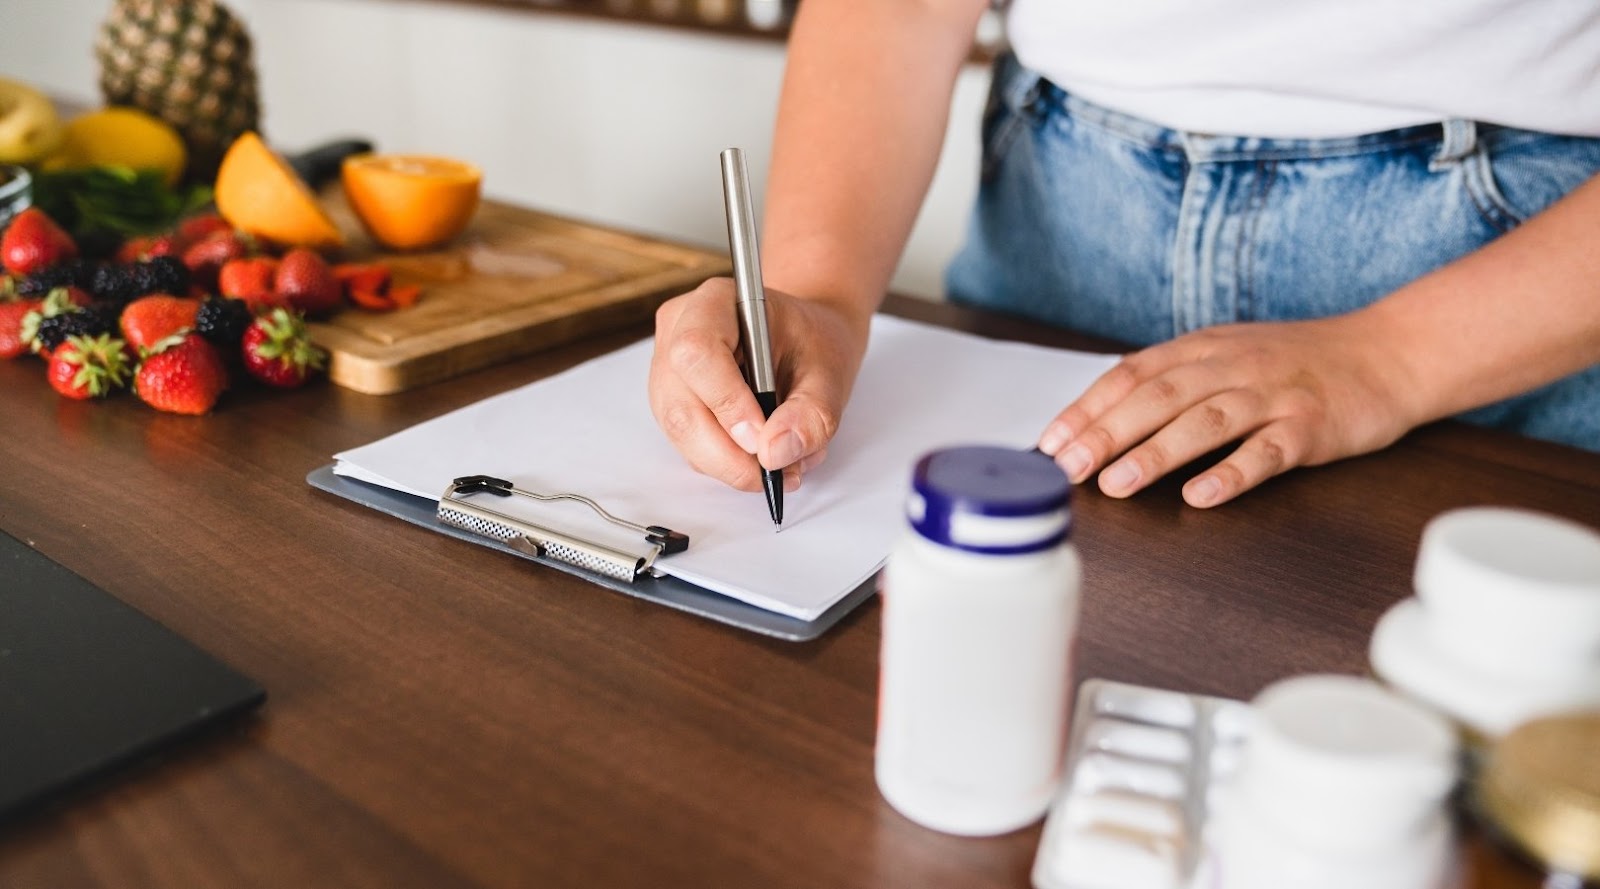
611	111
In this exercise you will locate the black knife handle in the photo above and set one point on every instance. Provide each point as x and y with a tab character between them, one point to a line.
320	165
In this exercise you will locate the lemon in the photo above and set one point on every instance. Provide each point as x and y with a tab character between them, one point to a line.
118	136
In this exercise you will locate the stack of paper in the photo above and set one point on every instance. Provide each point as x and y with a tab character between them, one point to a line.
589	431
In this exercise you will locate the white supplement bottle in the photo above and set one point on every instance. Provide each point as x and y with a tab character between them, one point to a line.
980	612
1505	624
1341	785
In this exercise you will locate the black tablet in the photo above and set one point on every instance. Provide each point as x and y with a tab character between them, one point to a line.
88	684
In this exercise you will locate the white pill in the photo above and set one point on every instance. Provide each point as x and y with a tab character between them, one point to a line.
1114	858
1113	808
1104	771
1150	705
1134	739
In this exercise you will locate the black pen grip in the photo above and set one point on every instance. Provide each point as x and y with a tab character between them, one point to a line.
768	402
771	479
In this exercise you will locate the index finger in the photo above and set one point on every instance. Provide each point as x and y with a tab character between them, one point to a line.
699	345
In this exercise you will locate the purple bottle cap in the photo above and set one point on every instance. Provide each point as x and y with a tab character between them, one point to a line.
991	500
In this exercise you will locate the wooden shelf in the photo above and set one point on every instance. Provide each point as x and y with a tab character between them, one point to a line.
758	19
767	19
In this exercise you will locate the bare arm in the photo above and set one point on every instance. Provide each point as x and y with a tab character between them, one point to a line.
861	119
1519	313
866	99
1522	311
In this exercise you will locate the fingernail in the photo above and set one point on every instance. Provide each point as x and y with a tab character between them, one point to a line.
1075	460
1205	490
1055	437
744	435
791	481
1120	478
785	450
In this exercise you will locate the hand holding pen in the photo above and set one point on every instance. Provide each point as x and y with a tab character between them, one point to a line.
704	403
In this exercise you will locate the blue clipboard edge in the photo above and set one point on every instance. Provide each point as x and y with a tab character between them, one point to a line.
668	591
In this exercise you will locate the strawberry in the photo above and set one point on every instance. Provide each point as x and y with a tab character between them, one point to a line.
89	367
76	295
305	282
250	280
147	246
198	228
207	255
34	242
12	342
278	350
41	334
151	319
183	374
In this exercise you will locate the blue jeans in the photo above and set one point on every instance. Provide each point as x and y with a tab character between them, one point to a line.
1112	225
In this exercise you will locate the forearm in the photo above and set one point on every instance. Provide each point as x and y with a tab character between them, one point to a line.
1521	312
862	117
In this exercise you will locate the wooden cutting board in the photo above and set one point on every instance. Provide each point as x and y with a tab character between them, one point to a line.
515	282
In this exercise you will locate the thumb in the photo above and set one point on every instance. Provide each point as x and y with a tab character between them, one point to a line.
801	426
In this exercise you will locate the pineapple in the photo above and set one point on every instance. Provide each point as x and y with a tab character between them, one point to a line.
187	62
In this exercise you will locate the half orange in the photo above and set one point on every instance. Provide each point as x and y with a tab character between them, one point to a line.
411	201
257	192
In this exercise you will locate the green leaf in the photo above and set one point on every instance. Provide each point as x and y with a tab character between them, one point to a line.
95	202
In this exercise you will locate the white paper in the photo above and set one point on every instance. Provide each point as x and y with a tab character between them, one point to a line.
589	431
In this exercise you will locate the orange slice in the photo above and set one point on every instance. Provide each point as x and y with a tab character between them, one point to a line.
258	193
411	201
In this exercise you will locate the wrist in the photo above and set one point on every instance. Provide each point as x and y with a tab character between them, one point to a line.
1398	366
847	299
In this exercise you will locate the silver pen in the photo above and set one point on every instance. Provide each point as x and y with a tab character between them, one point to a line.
755	338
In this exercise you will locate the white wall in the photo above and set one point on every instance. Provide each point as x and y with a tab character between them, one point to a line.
608	121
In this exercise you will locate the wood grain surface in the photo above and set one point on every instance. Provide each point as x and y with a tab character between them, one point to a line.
441	719
516	281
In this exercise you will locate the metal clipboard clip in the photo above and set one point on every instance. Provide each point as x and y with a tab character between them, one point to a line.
547	543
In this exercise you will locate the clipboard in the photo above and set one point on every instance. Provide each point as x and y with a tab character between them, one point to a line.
644	584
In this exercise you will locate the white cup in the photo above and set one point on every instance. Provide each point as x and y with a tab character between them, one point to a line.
1513	591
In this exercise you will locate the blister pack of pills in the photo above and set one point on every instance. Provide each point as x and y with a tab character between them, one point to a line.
1142	768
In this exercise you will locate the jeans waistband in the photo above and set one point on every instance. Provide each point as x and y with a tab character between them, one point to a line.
1022	88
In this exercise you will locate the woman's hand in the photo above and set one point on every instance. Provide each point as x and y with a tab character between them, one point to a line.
701	400
1297	393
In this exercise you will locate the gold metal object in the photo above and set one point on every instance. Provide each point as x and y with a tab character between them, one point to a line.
1541	788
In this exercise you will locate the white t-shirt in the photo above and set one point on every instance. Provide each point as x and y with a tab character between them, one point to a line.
1317	68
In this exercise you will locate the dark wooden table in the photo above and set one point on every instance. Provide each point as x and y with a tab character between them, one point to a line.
442	719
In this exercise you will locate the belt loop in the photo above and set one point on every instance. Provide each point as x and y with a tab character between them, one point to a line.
1022	86
1460	140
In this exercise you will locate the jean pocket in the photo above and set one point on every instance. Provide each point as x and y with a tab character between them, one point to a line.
1515	174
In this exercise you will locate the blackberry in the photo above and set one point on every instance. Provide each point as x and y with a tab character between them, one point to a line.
71	273
91	320
115	283
121	283
166	274
223	321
